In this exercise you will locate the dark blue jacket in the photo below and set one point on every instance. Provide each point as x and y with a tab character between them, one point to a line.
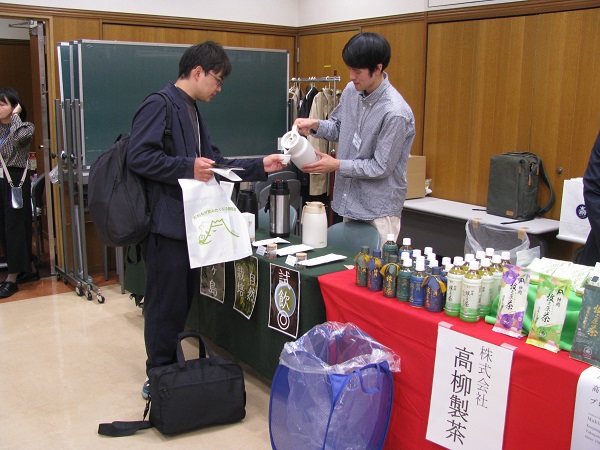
591	195
147	158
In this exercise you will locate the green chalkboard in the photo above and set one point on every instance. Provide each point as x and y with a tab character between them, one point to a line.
112	78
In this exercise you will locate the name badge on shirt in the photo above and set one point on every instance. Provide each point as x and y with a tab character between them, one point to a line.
356	141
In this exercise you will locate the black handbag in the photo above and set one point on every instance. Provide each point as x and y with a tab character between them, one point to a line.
514	184
188	395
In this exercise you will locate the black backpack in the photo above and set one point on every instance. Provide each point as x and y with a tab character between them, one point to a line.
116	196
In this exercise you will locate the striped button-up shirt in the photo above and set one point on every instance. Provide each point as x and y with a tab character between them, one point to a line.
375	133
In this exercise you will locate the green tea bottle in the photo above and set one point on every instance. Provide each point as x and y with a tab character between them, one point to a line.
406	246
454	287
390	274
374	278
471	293
403	283
435	290
446	265
361	260
390	248
487	281
417	290
505	257
497	271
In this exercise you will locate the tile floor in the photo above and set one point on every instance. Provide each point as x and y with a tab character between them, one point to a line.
68	364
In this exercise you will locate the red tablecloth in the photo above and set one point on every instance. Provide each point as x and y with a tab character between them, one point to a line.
543	384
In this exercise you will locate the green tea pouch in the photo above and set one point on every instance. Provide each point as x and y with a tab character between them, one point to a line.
513	300
549	312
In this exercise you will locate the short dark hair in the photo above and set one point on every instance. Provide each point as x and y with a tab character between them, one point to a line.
209	55
11	96
366	50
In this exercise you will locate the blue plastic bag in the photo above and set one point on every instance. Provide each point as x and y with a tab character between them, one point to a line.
332	390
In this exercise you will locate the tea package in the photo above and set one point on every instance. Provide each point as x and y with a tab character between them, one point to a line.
512	304
586	342
549	312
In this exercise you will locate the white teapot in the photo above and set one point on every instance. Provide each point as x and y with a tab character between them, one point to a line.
297	146
314	225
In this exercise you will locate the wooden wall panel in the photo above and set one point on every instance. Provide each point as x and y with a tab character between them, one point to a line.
479	101
188	36
407	68
321	55
566	110
15	71
449	108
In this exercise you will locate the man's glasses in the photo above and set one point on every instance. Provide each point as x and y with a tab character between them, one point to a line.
220	82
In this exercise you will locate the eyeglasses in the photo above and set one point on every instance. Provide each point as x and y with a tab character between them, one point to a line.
220	82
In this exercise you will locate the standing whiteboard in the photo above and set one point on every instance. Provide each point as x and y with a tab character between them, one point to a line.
112	78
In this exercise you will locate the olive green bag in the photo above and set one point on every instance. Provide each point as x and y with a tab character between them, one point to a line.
514	185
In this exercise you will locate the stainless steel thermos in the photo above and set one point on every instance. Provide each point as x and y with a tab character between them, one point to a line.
279	209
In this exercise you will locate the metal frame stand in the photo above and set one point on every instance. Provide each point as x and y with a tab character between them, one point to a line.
71	181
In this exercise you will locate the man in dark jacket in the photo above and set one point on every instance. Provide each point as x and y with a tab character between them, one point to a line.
591	195
170	283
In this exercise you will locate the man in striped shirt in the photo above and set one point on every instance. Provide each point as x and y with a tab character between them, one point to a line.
375	128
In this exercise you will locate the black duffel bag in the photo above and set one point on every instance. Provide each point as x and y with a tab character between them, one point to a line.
188	395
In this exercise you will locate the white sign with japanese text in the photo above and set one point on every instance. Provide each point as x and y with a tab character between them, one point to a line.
586	421
470	391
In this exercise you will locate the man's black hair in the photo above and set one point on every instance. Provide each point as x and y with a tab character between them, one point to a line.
366	50
209	55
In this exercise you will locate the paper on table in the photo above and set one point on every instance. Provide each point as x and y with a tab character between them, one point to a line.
322	260
293	249
228	173
276	240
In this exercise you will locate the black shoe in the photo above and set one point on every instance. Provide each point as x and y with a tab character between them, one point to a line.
25	277
8	288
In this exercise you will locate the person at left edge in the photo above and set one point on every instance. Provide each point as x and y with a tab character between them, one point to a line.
15	223
170	283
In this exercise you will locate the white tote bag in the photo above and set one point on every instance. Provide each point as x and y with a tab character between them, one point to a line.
574	223
216	230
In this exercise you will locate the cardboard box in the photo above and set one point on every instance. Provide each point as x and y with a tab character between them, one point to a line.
415	177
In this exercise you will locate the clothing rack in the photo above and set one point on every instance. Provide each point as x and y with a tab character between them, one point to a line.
328	79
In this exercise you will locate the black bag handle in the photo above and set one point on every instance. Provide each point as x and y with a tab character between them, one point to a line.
540	212
203	352
120	428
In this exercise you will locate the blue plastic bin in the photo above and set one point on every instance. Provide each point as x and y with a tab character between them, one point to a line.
332	390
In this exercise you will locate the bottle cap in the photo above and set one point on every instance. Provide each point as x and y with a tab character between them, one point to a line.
496	259
479	254
420	266
406	241
489	252
505	256
391	237
469	257
427	250
433	263
446	260
435	270
419	258
432	257
416	252
458	261
405	254
365	249
474	265
407	262
485	262
377	253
